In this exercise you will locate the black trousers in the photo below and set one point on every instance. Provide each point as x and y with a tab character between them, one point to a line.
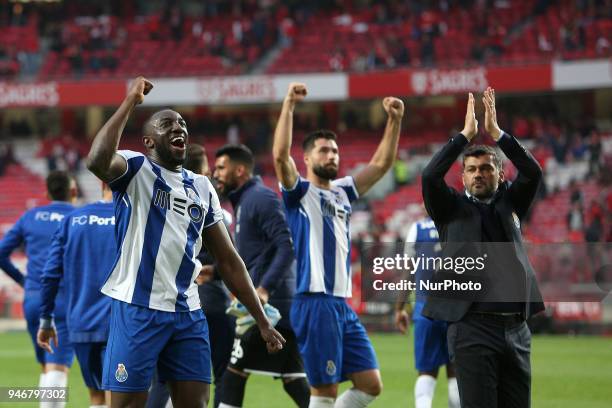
221	328
491	354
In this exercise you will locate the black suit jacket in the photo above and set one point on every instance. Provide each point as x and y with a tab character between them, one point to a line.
457	218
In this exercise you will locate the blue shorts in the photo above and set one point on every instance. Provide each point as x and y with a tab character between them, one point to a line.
91	360
430	346
141	338
331	339
63	354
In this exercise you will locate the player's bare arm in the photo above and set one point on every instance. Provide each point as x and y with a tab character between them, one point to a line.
402	317
284	166
385	154
234	274
491	125
103	159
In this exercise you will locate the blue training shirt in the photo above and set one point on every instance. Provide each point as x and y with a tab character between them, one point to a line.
35	230
422	241
81	255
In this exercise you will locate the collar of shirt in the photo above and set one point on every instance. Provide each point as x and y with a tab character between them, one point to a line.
477	200
234	196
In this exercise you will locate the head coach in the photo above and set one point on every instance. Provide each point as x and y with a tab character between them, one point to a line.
488	341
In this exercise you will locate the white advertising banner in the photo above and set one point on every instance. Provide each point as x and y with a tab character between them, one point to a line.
244	89
582	74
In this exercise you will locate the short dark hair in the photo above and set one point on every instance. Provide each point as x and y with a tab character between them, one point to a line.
238	153
147	126
481	150
58	185
311	138
196	155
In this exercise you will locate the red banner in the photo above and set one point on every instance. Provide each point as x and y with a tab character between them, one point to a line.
82	93
400	82
451	81
92	93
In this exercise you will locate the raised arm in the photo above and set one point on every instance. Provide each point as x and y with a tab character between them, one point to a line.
385	154
234	274
103	160
525	186
437	195
284	166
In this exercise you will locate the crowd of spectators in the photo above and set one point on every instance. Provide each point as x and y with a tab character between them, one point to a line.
95	36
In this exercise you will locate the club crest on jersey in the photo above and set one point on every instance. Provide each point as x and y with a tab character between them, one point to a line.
331	368
121	374
165	200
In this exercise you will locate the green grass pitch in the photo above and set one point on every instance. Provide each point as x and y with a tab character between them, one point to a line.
567	372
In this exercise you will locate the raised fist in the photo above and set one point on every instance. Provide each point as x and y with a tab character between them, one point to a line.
296	92
138	89
394	107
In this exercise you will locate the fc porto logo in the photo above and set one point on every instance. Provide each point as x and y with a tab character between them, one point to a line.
121	374
331	368
196	213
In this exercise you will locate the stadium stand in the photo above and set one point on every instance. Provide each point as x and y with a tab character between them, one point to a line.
89	41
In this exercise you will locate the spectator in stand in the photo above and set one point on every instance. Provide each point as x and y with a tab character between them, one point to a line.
399	51
359	63
176	20
595	149
73	53
427	50
575	222
401	171
594	235
594	230
287	32
543	43
337	61
602	46
477	52
576	195
6	157
567	37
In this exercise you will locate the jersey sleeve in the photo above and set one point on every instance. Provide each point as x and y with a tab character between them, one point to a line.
292	196
134	161
13	239
54	270
214	214
348	185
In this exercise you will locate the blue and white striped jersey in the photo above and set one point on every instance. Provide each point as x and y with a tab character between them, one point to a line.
160	216
319	221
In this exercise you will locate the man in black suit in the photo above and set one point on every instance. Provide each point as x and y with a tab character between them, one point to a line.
488	340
